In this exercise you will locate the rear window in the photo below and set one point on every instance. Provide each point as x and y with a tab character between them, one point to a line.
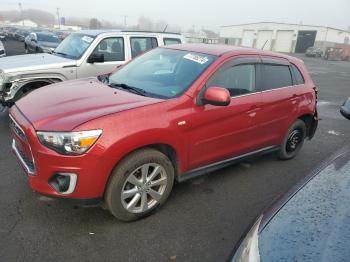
276	76
172	41
299	80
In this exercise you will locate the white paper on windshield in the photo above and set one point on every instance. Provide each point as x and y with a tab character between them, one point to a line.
196	58
87	39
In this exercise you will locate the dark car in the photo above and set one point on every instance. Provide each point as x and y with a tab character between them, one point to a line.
41	42
314	52
311	222
21	34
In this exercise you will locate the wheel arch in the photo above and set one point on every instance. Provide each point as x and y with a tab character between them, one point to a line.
310	121
164	148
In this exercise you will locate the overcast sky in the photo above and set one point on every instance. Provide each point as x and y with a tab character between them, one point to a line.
210	14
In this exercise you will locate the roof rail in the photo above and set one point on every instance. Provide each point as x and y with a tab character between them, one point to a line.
145	31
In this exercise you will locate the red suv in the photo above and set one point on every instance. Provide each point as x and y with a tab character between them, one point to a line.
171	114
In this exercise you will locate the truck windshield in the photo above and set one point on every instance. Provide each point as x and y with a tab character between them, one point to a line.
74	46
162	73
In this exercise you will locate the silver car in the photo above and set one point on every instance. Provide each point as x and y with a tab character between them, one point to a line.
81	54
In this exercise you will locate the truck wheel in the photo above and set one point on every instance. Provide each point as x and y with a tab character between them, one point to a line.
293	141
139	184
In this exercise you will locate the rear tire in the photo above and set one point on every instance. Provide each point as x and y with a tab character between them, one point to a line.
139	184
293	141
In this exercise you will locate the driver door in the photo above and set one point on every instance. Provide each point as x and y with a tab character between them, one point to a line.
223	132
113	51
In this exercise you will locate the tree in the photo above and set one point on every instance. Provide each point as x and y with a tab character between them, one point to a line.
95	23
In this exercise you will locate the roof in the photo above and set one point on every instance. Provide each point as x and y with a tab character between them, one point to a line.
219	50
97	32
280	23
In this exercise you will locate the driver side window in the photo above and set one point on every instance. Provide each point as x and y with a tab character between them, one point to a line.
111	48
238	79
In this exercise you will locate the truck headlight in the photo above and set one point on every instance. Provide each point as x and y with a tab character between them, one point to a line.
69	143
2	79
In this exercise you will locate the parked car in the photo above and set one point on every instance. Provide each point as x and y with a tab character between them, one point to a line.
41	43
309	223
82	54
314	52
21	34
2	50
2	35
174	113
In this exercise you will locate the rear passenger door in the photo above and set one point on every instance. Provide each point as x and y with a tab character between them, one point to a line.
141	44
279	99
112	48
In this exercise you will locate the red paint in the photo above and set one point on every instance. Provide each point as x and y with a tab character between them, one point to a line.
211	133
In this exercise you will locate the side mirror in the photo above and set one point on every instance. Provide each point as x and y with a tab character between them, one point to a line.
96	58
216	96
345	109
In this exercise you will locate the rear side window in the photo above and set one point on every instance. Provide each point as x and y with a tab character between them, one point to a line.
238	80
276	76
142	44
172	41
299	80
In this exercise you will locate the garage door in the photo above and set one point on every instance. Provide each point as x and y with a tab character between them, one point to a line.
248	38
264	40
284	41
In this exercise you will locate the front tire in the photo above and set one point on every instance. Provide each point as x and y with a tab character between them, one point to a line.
293	141
139	184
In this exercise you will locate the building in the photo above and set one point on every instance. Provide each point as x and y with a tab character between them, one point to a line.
25	23
202	36
282	37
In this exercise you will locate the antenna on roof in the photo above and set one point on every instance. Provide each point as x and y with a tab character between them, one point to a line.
264	45
165	28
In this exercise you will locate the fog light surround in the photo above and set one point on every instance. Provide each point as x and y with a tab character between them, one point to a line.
63	183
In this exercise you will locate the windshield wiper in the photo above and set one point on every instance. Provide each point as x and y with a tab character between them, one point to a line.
133	89
59	53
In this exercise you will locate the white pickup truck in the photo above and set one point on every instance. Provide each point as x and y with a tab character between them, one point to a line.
82	54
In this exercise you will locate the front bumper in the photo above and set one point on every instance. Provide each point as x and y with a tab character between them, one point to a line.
41	164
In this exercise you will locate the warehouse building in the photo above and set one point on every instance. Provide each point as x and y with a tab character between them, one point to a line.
281	37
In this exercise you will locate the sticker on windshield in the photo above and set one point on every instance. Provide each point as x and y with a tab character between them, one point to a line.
87	39
197	58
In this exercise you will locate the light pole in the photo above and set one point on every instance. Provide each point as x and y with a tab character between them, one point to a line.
21	11
58	18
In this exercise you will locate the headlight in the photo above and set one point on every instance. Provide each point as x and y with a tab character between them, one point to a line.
69	143
2	79
248	250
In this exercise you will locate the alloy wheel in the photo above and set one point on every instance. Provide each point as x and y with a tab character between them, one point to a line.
144	188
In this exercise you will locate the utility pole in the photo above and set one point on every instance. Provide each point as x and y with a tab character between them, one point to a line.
21	11
58	18
125	20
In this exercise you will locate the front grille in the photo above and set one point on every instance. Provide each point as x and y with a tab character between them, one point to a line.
16	128
27	163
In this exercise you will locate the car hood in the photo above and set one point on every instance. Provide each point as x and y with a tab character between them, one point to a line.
32	62
66	105
313	225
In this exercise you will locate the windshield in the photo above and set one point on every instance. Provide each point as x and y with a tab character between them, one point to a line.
314	224
48	38
74	46
163	73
